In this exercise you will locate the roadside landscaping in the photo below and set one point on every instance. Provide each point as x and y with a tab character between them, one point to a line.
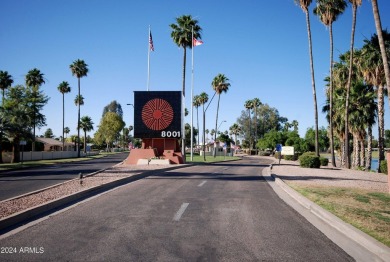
366	210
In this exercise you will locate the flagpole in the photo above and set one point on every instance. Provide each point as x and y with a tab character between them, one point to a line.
147	83
192	96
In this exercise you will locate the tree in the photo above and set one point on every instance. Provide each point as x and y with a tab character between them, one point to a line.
109	128
371	65
5	82
66	131
79	100
197	103
79	69
256	103
220	85
381	40
114	107
63	88
86	125
323	139
16	120
355	5
236	130
328	12
34	79
249	105
49	133
304	4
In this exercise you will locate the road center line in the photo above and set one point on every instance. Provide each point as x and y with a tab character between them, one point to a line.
181	211
203	182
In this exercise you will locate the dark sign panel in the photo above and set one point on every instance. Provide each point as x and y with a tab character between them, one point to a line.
157	114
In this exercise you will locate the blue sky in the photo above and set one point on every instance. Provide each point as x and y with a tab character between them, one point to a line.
261	46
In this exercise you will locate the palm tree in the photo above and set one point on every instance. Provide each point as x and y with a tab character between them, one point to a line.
355	5
196	103
34	79
220	85
79	69
256	103
86	125
182	36
304	4
236	130
66	131
328	12
249	105
203	98
5	82
79	100
378	25
371	65
63	88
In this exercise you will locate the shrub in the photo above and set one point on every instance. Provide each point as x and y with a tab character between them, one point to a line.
324	161
383	167
310	160
292	158
264	153
276	155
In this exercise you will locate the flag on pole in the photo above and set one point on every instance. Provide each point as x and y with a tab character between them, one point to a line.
197	42
151	47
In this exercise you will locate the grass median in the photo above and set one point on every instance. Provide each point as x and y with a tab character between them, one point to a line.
366	210
209	159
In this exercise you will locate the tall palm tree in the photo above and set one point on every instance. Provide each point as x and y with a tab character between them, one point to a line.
355	5
34	79
203	98
5	82
378	25
182	36
371	64
86	125
256	103
79	69
196	103
63	88
249	105
304	4
328	12
220	85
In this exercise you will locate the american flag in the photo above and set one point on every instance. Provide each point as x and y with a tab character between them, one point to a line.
196	42
151	41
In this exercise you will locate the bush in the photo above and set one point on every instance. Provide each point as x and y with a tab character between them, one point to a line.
324	161
310	160
383	167
264	153
292	158
276	155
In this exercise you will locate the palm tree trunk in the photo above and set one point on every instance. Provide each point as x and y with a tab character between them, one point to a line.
313	84
63	121
381	124
250	129
355	161
183	147
78	122
378	26
16	151
347	163
85	142
362	153
216	126
197	123
369	149
333	160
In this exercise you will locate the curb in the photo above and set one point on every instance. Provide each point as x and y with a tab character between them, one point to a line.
377	249
13	221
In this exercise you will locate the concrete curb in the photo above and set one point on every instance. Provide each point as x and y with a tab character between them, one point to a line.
377	249
17	219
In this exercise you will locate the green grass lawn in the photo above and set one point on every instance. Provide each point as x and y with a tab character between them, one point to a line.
366	210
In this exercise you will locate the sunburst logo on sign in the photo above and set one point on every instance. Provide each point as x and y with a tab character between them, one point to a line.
157	114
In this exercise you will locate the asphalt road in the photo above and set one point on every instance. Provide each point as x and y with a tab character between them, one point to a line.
18	182
222	212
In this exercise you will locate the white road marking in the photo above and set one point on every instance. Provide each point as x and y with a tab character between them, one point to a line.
181	211
203	182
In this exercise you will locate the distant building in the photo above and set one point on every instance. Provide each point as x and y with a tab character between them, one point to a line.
51	144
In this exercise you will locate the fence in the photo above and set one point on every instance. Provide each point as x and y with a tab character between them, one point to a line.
45	155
